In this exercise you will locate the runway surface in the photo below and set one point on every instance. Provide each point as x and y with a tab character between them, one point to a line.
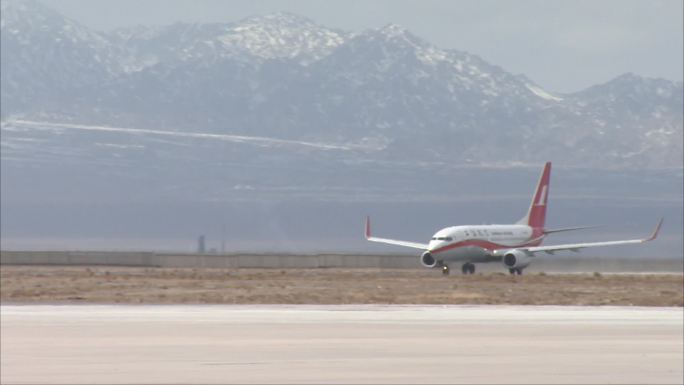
340	344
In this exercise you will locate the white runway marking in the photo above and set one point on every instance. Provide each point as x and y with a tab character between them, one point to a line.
342	344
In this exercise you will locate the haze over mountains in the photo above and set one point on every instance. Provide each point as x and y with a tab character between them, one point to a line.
278	107
284	76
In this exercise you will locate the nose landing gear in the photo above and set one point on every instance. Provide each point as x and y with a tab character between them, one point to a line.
445	270
468	268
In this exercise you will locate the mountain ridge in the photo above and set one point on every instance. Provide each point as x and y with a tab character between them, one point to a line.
284	76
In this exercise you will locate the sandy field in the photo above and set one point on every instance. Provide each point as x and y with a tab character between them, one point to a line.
134	285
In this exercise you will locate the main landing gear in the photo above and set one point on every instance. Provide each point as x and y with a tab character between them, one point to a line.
468	268
515	271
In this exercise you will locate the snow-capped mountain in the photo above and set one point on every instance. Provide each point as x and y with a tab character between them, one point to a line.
260	38
284	77
49	60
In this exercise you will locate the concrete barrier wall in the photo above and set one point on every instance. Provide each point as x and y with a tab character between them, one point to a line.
571	263
207	261
77	258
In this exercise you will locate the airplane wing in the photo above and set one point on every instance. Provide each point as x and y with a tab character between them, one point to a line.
576	246
415	245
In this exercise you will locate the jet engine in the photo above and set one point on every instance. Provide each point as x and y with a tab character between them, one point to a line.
517	259
428	260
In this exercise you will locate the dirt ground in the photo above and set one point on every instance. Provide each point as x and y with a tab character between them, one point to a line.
76	284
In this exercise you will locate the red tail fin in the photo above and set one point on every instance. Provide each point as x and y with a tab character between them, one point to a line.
536	215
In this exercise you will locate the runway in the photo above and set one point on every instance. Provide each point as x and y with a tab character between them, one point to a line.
340	344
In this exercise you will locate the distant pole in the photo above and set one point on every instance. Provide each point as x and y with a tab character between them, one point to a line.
223	238
201	245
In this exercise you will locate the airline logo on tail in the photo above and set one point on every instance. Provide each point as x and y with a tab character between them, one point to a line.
536	215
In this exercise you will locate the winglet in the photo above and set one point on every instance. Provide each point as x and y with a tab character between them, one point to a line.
655	232
368	228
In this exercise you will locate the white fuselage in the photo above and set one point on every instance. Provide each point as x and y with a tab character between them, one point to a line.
475	243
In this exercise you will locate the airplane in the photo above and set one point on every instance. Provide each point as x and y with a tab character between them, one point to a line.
514	245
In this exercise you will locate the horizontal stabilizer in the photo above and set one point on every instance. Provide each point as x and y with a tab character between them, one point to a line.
551	231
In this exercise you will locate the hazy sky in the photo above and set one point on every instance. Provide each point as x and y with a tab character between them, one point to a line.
563	45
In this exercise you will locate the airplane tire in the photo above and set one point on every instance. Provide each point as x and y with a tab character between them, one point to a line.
445	270
519	271
468	268
512	271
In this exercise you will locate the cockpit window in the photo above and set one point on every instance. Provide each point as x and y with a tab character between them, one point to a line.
442	239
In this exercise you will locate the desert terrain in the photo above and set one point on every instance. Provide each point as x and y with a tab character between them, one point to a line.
133	285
